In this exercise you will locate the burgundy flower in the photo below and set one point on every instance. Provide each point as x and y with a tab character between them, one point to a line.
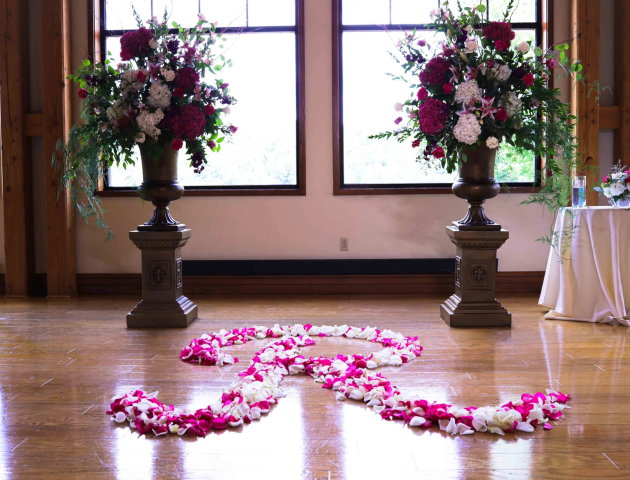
438	152
212	144
551	63
501	46
499	31
422	94
415	143
434	72
233	129
188	123
528	79
133	44
432	116
141	76
208	109
187	78
448	88
83	93
176	144
178	92
123	122
398	120
501	115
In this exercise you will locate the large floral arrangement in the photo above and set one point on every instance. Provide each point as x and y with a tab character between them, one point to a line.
155	97
616	185
480	87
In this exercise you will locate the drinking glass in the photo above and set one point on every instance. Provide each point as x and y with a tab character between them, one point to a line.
579	192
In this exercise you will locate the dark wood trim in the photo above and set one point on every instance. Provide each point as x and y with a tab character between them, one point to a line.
338	187
622	81
422	191
610	117
191	192
201	285
16	155
34	124
585	19
60	232
336	99
97	34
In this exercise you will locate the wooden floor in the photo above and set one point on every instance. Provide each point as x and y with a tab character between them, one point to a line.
63	360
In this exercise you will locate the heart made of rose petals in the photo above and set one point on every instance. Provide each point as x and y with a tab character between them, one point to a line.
350	377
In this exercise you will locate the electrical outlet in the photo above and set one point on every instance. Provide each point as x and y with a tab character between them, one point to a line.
344	244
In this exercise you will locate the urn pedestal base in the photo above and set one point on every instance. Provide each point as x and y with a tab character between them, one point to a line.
163	305
474	303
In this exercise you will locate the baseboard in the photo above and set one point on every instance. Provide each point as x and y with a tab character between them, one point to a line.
200	285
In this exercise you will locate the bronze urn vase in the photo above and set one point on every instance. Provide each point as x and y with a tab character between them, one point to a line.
160	186
476	184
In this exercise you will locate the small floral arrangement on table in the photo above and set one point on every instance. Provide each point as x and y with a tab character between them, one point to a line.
616	185
478	87
155	97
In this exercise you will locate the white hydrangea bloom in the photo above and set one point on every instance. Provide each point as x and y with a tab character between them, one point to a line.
168	74
467	91
129	83
159	95
511	103
607	192
117	110
467	129
617	175
617	189
500	73
492	142
147	122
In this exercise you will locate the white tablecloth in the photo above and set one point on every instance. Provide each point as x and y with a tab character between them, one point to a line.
588	272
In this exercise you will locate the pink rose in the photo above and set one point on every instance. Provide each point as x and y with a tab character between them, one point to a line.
448	88
176	144
233	129
422	94
208	109
398	120
83	93
501	115
528	79
438	152
551	63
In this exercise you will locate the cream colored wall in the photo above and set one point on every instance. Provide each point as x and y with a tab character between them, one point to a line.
387	226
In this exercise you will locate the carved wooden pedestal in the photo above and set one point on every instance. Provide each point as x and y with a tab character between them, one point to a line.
163	304
474	303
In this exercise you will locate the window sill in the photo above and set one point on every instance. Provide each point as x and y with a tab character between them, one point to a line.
420	190
215	192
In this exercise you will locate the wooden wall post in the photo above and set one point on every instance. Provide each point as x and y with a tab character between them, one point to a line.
622	81
16	159
584	102
60	231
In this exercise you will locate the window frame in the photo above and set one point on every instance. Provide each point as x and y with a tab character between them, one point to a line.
542	29
98	35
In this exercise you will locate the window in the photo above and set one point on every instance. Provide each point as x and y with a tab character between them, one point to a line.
264	40
364	32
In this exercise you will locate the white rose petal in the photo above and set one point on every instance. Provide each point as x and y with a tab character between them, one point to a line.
492	142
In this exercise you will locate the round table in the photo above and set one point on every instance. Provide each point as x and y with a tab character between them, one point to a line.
588	271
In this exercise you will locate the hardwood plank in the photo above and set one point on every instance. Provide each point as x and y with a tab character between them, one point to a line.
584	105
62	359
60	225
16	155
